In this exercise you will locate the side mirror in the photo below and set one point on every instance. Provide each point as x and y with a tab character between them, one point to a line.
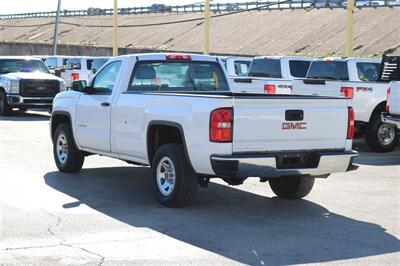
79	85
57	72
94	70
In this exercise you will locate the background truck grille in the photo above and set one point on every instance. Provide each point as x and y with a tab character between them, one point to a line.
39	88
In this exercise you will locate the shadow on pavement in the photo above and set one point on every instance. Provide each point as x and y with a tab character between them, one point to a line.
238	225
368	157
26	117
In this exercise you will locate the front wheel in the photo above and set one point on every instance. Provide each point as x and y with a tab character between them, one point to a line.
174	183
292	187
4	107
66	155
381	137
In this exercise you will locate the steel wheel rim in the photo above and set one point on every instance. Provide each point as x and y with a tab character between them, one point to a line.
62	148
386	134
166	176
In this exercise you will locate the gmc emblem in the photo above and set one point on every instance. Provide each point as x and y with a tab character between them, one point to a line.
294	126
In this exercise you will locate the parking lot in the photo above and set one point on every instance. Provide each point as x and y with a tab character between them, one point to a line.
107	214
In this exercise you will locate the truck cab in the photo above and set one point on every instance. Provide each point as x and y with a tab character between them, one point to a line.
359	80
272	74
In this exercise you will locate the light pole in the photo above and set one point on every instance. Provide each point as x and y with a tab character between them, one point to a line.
115	42
349	28
55	36
207	27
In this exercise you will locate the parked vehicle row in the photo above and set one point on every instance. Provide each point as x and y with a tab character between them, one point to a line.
177	114
72	68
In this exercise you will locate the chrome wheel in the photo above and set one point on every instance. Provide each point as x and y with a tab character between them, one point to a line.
166	176
386	134
62	148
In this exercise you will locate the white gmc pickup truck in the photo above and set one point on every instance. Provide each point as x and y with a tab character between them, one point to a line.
175	113
272	74
391	72
357	79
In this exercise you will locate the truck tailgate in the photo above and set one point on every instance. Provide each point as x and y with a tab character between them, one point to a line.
316	87
257	85
276	123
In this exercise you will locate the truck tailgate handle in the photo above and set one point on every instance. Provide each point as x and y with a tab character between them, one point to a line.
243	80
105	104
294	115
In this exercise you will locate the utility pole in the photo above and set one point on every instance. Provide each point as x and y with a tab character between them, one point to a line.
55	36
115	43
349	28
207	27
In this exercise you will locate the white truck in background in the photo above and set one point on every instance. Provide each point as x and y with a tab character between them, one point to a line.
391	72
176	113
357	79
272	74
74	67
236	66
26	83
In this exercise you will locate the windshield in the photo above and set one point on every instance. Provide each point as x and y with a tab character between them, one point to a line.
22	65
328	70
241	67
299	68
368	71
266	68
96	63
178	76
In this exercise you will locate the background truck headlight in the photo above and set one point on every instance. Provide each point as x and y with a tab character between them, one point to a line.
14	86
62	86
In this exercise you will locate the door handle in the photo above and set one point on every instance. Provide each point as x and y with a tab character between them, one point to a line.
105	104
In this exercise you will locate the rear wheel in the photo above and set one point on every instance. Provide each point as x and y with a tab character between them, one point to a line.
4	107
381	137
66	155
174	183
292	187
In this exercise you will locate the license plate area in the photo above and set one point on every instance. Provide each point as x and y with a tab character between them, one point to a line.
297	160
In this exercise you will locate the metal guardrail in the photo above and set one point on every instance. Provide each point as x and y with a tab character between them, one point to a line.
216	8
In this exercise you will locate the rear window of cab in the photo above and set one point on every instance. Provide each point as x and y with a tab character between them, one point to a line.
328	70
151	76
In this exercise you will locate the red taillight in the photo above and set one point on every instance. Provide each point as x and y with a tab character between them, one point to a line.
75	76
269	89
178	57
347	92
221	125
387	99
350	128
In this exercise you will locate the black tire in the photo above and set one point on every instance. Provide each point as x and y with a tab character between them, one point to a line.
185	183
373	138
4	107
292	187
75	158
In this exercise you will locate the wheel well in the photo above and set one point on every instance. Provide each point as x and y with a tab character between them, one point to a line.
57	119
158	135
381	107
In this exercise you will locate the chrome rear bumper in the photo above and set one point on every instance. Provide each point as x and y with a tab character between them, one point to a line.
268	165
391	119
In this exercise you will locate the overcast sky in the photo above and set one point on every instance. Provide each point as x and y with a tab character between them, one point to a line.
26	6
